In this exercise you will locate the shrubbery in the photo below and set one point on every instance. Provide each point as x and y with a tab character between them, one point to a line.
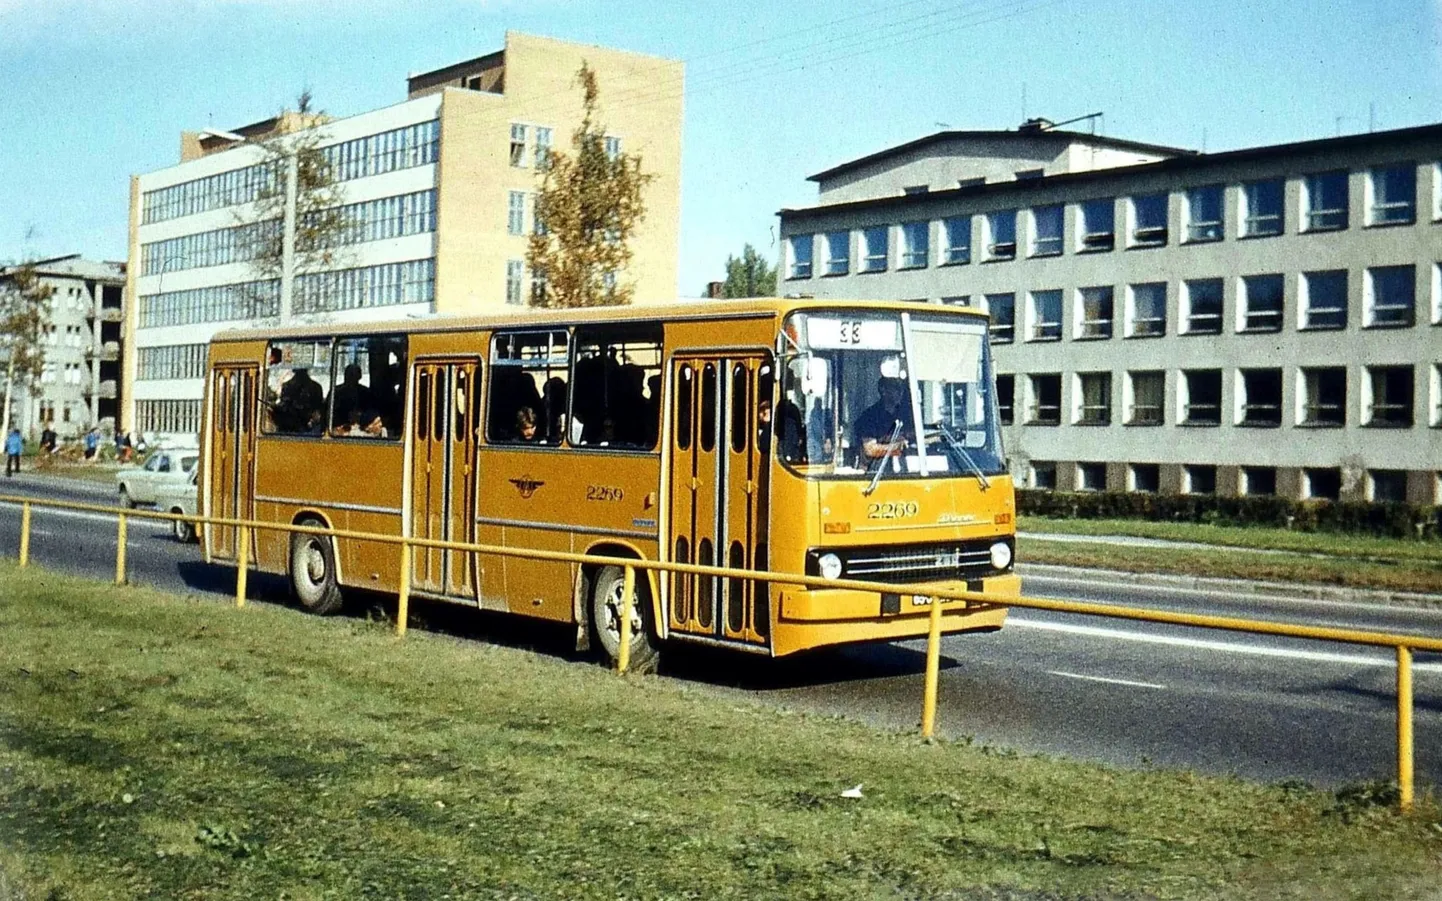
1387	520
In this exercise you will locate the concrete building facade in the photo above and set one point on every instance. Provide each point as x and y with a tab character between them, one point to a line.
439	191
80	383
1260	321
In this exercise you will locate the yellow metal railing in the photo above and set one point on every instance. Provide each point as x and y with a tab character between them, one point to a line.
1403	644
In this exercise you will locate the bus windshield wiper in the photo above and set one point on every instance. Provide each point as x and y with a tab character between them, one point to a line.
959	453
881	460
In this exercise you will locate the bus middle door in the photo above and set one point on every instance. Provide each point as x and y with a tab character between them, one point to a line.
443	474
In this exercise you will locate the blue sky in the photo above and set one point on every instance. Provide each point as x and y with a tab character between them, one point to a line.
96	90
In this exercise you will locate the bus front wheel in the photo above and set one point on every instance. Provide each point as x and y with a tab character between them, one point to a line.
312	571
606	619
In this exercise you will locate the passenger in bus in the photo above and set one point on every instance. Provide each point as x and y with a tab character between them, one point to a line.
526	425
351	396
300	398
820	436
875	426
553	400
360	424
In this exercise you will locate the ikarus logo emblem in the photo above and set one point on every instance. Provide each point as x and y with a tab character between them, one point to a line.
526	485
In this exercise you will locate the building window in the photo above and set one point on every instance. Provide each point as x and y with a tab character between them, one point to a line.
800	256
217	303
1437	293
1388	403
1324	396
1324	201
1391	297
612	146
913	190
1146	393
400	148
516	213
1324	299
957	300
1094	310
873	249
1006	398
958	240
1046	226
1091	477
1149	220
915	245
174	361
515	276
1044	399
1144	477
1262	208
1029	174
1098	224
1259	400
386	284
1261	304
1387	486
1093	404
838	253
1322	484
173	416
1042	474
1044	313
543	148
1392	195
1199	479
1002	308
1146	310
1001	235
1436	418
1203	299
1203	208
1259	481
1201	397
518	145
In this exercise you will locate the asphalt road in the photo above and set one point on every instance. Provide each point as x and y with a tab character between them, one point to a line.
1125	693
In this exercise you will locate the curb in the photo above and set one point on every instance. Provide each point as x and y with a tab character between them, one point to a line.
1303	591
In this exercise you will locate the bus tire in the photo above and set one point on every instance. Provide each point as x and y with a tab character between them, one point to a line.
605	619
312	571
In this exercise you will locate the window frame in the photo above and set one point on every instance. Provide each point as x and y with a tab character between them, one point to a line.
1054	243
1251	220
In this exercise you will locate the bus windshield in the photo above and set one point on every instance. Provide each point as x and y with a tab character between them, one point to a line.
856	386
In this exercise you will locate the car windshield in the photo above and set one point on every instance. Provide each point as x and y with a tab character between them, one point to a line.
854	386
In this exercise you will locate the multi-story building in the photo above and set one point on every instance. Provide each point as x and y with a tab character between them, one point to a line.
438	196
79	384
1260	321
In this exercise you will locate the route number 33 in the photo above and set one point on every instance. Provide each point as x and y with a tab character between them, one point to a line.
850	332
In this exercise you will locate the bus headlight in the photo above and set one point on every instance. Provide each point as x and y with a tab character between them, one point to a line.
1000	555
829	565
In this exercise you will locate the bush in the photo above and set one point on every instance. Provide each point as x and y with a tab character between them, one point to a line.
1386	520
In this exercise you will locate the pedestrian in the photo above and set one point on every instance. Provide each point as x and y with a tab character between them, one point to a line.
123	447
48	440
14	445
92	443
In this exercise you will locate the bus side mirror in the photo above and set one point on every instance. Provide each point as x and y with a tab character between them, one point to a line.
816	377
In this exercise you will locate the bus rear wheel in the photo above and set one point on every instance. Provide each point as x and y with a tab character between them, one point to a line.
312	571
606	619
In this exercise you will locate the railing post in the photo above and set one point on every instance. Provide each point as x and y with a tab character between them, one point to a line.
933	663
25	534
242	563
120	550
403	602
1404	727
623	653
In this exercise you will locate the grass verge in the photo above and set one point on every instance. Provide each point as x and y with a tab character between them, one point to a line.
1348	561
157	746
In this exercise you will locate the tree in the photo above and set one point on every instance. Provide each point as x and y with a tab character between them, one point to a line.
749	275
587	208
24	318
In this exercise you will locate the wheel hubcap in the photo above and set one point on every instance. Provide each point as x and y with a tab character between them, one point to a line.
613	616
314	563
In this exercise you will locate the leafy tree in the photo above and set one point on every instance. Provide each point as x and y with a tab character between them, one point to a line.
749	275
587	208
24	317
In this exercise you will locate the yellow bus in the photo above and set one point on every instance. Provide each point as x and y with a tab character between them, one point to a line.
836	439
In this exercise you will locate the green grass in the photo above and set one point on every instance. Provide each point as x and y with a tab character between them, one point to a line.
1342	560
157	746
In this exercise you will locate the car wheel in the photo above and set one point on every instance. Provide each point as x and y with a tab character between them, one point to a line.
183	531
606	619
125	500
312	571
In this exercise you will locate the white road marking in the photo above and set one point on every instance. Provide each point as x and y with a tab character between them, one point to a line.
1227	647
37	512
1234	595
1105	679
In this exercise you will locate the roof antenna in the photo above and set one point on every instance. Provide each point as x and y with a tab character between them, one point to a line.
1023	101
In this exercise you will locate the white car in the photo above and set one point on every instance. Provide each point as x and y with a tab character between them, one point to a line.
180	497
138	484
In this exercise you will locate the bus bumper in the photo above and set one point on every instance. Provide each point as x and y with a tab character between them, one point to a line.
819	617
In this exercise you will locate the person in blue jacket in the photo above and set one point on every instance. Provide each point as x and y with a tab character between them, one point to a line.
14	445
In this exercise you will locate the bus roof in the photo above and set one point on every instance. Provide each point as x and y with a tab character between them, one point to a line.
694	310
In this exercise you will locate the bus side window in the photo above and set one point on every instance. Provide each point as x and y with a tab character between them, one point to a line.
740	407
295	399
528	388
365	400
708	407
685	390
616	390
423	405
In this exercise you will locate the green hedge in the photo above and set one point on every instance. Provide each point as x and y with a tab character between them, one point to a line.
1391	520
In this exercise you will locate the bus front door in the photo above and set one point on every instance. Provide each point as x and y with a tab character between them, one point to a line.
443	474
718	507
232	455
